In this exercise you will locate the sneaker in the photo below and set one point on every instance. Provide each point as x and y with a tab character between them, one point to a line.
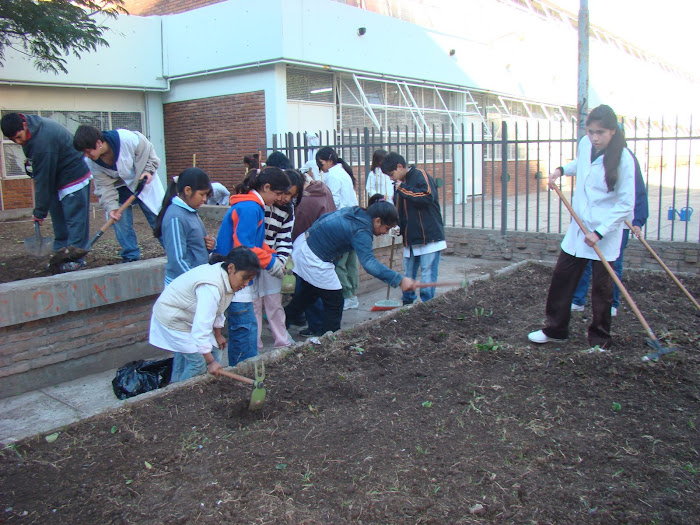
577	307
72	266
539	337
351	303
124	261
309	333
613	312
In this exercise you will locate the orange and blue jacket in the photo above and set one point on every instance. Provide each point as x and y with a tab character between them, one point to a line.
244	225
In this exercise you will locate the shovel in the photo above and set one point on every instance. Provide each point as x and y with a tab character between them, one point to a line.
73	253
652	341
257	398
38	245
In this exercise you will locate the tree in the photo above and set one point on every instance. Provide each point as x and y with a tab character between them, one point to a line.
49	29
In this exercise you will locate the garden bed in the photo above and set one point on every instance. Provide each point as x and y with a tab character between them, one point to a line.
441	413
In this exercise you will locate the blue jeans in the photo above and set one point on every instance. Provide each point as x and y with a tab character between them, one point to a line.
71	219
186	366
124	227
428	264
242	332
582	289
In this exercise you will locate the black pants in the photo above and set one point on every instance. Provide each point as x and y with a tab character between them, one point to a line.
306	294
565	278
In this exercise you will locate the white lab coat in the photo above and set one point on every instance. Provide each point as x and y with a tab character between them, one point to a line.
599	209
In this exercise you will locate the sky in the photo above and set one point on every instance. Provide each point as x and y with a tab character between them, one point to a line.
668	28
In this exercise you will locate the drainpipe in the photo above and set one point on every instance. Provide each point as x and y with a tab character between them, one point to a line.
582	100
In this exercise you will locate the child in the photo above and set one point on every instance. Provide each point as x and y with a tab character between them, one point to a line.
184	236
188	316
340	180
603	199
244	225
279	221
378	181
118	159
330	237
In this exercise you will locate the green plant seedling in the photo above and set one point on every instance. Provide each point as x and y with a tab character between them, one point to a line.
427	404
616	407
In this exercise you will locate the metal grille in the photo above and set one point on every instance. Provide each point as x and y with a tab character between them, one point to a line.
309	86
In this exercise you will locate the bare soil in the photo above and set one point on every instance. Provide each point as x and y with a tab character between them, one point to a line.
17	264
440	413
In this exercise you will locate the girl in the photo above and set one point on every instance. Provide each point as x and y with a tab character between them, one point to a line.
603	199
188	316
328	239
377	180
340	180
184	236
244	225
279	221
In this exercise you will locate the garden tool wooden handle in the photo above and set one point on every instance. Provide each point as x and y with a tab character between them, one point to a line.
668	270
242	379
609	268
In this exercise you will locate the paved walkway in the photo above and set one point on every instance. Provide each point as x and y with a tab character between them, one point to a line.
48	409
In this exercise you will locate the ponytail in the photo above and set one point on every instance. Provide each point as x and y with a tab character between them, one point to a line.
195	178
255	180
328	153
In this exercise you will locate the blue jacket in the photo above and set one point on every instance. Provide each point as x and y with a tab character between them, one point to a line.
641	203
339	232
183	239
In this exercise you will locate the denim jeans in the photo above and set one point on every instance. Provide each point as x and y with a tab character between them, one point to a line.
186	366
71	219
428	264
582	289
242	332
124	227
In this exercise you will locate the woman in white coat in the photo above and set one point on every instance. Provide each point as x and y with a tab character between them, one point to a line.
603	199
379	182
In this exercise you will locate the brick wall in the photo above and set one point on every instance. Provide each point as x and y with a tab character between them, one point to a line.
519	181
164	7
17	193
219	130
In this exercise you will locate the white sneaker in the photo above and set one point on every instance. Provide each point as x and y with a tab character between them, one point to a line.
613	312
351	303
577	307
539	337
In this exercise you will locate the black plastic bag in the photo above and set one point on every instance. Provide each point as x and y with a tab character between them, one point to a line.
141	376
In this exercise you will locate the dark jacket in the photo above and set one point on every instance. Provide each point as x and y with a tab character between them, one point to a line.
420	219
641	203
339	232
55	162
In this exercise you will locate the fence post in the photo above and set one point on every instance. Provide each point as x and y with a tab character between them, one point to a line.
368	162
504	177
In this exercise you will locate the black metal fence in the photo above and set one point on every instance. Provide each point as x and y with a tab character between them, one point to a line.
496	178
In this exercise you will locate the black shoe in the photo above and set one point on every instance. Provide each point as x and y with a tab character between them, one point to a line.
124	261
407	303
309	333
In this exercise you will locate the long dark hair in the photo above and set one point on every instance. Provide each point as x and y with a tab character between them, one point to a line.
297	180
377	157
255	180
195	178
613	153
328	153
242	258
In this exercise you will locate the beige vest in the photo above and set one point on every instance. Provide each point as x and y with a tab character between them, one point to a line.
175	307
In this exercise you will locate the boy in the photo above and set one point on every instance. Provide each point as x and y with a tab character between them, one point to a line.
119	159
420	222
61	179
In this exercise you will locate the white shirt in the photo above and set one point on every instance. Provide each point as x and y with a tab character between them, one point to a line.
313	270
380	182
340	184
219	194
599	209
201	339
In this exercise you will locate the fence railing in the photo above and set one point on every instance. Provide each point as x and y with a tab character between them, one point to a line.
497	178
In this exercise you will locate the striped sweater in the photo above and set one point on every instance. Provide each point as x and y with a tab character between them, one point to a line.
278	230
